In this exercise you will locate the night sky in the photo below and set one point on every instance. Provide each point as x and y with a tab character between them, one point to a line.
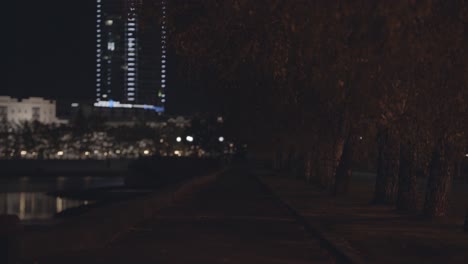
52	54
53	49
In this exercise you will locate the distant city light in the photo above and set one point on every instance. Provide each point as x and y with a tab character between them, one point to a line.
360	138
177	153
23	153
146	152
60	153
117	151
117	104
221	139
75	105
466	155
161	140
178	139
86	153
189	138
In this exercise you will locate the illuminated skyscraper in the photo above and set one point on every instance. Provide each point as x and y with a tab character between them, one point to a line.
131	54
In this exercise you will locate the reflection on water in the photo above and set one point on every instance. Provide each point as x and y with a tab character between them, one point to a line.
31	184
35	206
27	198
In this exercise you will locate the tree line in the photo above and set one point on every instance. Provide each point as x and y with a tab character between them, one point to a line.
306	80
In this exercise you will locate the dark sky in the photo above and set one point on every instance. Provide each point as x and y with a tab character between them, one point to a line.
52	49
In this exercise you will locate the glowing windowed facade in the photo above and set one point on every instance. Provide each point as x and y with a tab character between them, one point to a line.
109	50
131	54
162	93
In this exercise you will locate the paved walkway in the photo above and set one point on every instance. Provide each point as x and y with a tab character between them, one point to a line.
233	220
379	234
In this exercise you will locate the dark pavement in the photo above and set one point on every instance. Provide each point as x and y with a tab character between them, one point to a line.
233	220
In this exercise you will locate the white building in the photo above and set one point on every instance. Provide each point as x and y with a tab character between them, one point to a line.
29	109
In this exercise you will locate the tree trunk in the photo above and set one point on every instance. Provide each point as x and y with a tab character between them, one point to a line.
407	181
338	151
458	170
317	176
386	183
439	182
289	161
283	161
337	157
329	163
298	166
308	160
324	166
343	171
465	227
322	158
278	160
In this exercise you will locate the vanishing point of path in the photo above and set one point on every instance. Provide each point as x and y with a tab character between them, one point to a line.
233	220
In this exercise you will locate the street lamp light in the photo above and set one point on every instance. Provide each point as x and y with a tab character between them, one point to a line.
189	138
178	139
221	139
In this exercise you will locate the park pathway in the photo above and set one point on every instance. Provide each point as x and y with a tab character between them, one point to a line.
232	220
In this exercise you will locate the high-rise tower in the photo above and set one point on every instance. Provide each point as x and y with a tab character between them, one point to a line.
131	54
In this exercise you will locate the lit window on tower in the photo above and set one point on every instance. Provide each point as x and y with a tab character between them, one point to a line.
111	46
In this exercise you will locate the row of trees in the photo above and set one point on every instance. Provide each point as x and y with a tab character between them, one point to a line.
315	76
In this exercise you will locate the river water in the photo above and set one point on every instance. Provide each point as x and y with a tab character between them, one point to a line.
27	196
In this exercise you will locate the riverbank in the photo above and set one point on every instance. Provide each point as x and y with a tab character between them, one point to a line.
98	226
54	168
